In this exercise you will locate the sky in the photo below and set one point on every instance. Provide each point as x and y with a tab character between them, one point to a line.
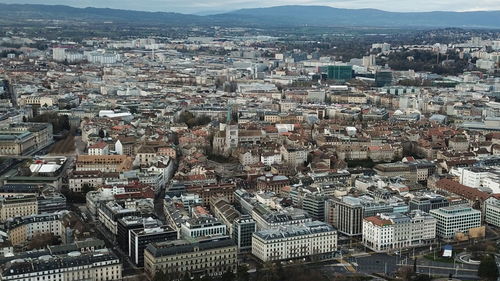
214	6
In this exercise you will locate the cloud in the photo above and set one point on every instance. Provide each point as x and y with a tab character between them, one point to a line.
191	6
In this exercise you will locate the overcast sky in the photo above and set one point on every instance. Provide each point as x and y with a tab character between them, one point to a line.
196	6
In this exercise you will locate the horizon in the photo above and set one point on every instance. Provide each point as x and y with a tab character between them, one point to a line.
199	7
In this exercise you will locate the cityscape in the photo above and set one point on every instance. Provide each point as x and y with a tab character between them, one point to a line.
258	143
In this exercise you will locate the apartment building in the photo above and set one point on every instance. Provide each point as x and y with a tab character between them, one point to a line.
23	229
390	231
295	241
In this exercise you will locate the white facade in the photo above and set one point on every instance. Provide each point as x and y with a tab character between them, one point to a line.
455	219
492	211
290	242
386	232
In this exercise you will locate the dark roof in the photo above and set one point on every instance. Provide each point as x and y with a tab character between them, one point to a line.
176	247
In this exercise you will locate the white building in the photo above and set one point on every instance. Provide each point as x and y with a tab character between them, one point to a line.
206	226
297	241
99	148
487	179
59	54
455	219
492	211
390	231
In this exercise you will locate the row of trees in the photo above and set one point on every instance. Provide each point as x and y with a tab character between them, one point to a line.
59	122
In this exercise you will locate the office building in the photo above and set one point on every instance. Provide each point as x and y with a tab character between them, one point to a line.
347	213
315	238
492	210
390	231
204	226
455	219
340	72
140	238
428	202
210	257
243	229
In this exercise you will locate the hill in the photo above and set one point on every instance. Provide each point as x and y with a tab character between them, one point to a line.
278	16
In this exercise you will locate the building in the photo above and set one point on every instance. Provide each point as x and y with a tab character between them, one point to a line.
100	265
383	78
472	195
18	206
347	213
315	238
243	229
99	148
455	219
23	229
428	202
492	210
267	218
141	237
126	224
339	72
210	257
314	205
390	231
415	171
204	226
104	163
272	183
110	212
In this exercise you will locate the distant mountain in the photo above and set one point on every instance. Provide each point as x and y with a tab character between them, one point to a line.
328	16
260	17
61	12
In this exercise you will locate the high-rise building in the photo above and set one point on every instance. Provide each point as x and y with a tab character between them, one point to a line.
347	213
243	229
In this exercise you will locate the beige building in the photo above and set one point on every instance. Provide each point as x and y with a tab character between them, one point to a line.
210	257
23	229
103	163
18	206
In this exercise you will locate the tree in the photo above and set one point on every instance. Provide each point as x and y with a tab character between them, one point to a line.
42	240
160	276
242	273
102	134
227	276
488	269
86	188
